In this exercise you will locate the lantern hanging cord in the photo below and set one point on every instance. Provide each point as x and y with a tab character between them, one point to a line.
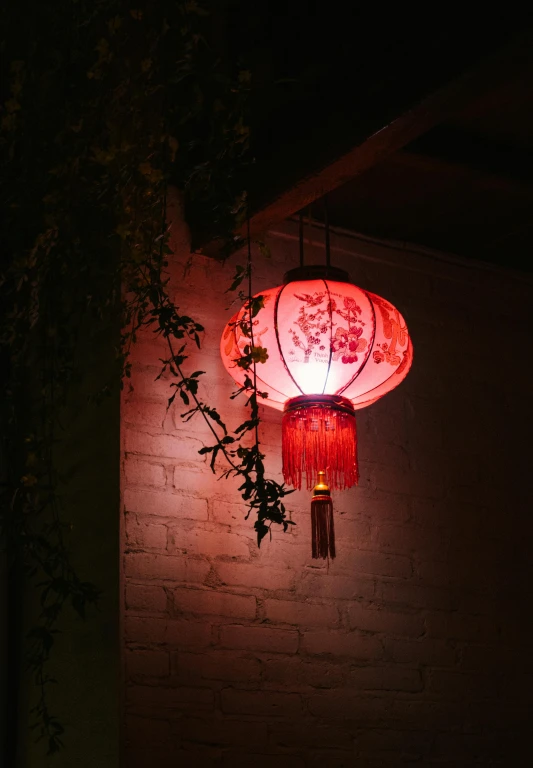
301	236
326	230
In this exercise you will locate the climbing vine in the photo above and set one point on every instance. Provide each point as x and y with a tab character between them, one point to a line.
108	103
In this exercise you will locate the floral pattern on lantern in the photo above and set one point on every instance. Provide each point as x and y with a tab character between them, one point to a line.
323	337
347	343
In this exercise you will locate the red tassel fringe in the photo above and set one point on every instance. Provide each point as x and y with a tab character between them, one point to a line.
322	527
317	438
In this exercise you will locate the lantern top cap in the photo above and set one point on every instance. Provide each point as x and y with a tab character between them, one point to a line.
316	272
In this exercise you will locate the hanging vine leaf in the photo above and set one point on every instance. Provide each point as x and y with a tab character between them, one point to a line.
88	205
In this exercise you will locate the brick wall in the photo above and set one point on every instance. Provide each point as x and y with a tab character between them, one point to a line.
413	646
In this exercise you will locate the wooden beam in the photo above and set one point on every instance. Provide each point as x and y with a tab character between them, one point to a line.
441	105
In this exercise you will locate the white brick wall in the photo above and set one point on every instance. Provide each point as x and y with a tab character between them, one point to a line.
411	647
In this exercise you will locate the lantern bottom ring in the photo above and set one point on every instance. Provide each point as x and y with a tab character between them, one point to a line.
333	402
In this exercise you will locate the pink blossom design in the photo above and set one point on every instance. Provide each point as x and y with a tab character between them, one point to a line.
347	343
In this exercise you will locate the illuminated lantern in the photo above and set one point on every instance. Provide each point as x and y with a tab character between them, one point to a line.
332	348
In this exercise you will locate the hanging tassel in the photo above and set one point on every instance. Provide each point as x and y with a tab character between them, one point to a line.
323	531
319	432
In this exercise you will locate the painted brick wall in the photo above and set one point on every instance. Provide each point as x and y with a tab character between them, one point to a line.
414	646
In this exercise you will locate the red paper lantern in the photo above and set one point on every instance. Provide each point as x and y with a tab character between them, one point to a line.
332	348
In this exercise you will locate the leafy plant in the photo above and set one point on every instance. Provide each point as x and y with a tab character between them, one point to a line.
107	105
